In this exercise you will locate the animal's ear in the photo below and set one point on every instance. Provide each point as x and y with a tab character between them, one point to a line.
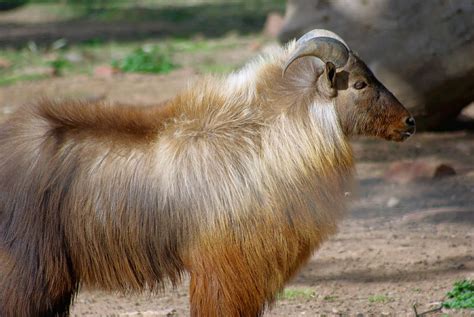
330	73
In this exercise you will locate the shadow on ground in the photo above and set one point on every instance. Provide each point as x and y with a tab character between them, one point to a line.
418	271
138	23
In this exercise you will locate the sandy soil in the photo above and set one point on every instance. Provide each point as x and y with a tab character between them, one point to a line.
400	245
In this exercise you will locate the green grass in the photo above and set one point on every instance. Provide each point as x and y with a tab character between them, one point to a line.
245	15
59	65
300	293
461	296
25	65
4	81
380	299
194	34
211	18
330	298
34	62
146	59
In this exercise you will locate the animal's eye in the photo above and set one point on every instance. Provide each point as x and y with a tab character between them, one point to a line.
360	84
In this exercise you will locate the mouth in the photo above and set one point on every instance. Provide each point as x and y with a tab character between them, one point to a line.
400	136
405	135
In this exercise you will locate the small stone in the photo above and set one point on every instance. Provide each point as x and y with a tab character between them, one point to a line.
443	170
393	202
404	172
459	266
468	111
74	57
255	46
4	63
105	71
151	313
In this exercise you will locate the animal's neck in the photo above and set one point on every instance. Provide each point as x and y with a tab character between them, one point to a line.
312	140
304	131
310	167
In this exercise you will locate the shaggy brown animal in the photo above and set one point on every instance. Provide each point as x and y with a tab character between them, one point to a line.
235	181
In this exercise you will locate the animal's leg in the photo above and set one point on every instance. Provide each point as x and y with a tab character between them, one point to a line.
60	305
238	275
27	291
219	288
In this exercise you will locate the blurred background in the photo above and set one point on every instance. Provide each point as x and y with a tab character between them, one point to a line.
409	235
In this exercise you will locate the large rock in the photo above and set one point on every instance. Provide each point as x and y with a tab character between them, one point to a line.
423	51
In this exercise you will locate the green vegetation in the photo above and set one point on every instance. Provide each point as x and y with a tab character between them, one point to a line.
330	298
13	79
34	62
292	294
59	65
461	296
380	299
201	36
146	60
177	17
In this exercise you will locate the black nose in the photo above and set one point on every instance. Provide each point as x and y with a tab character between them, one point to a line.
410	121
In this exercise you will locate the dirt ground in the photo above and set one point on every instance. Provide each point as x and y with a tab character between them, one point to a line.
400	245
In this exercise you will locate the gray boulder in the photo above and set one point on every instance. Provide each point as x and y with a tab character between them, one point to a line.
423	51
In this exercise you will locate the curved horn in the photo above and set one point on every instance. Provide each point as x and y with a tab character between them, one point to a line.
326	49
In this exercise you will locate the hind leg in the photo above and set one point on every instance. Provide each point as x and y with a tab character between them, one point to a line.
26	291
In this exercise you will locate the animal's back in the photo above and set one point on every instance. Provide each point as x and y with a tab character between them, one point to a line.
47	131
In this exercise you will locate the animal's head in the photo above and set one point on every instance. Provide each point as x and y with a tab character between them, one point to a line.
364	106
